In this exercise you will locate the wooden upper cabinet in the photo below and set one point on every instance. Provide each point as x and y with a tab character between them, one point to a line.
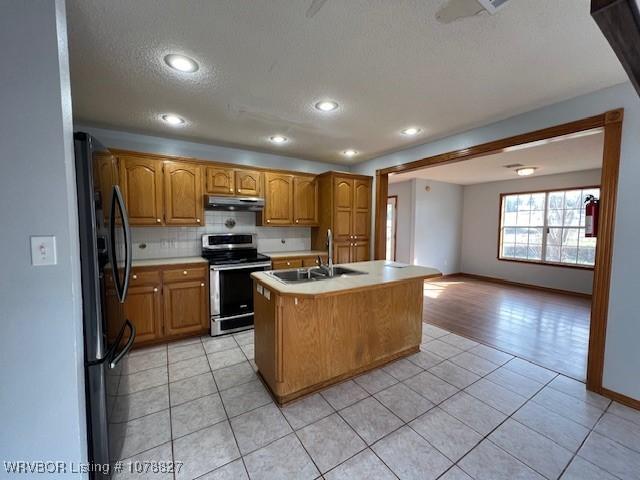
362	209
305	200
220	181
278	208
141	185
343	192
248	183
184	201
106	176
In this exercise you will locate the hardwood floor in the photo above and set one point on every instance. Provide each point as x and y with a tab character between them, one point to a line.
549	329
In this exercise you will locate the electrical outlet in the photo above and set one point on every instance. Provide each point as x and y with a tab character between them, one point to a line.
43	251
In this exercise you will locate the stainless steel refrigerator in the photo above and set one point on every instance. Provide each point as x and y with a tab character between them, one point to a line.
105	249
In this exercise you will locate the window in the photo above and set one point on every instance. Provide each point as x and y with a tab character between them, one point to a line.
392	221
546	227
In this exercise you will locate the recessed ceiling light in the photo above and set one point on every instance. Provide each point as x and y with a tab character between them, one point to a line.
349	153
411	131
278	139
526	171
181	63
172	119
327	106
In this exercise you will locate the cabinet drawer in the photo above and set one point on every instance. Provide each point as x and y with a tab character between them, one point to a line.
285	263
138	277
313	261
186	273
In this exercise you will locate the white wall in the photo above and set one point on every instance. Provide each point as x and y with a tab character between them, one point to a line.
480	233
622	355
41	356
405	215
429	223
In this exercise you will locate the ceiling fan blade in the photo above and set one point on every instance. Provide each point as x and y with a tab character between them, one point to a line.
314	8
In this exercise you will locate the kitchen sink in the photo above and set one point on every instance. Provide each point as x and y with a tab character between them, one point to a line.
312	274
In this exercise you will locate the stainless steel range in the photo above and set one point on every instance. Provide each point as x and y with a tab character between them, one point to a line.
232	258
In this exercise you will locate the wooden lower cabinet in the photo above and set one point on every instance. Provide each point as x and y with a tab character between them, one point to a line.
186	306
144	309
349	252
164	302
284	263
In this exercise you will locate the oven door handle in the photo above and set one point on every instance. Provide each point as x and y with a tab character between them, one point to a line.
244	266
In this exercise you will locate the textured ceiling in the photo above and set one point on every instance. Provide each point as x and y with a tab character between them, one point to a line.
390	64
566	155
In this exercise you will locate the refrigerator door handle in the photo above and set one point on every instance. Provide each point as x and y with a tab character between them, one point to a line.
117	201
127	347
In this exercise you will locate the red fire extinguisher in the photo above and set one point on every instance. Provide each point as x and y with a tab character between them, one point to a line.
591	216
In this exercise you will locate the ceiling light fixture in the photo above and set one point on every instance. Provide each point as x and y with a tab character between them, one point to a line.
172	119
350	153
411	131
181	63
526	171
278	139
327	106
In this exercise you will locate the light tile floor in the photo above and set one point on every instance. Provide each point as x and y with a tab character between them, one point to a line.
456	410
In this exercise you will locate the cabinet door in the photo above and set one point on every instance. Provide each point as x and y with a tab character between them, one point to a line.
106	176
141	185
360	252
278	199
305	200
143	308
342	252
343	208
186	307
183	194
361	209
249	183
220	181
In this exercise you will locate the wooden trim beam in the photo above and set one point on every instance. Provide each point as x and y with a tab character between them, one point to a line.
619	21
498	146
382	191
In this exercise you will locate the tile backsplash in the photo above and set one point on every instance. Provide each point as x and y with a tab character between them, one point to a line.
166	242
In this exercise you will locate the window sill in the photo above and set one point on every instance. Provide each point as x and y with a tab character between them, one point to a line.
547	264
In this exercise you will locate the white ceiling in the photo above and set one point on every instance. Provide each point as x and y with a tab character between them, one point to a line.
566	155
390	64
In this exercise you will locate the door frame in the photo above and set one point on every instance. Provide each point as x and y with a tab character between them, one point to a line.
395	227
611	123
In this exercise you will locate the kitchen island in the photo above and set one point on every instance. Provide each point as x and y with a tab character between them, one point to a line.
310	335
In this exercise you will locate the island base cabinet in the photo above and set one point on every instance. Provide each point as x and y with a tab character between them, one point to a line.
307	343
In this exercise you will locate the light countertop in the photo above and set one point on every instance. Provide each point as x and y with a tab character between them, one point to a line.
152	262
295	253
376	274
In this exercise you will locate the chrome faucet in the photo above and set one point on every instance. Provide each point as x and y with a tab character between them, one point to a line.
328	267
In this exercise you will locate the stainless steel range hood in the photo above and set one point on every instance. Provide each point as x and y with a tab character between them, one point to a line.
237	204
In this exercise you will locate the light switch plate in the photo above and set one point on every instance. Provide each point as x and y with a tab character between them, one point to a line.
43	251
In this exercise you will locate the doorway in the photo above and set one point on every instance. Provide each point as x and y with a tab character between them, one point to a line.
611	123
392	227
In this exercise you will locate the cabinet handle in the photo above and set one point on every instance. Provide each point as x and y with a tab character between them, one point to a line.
288	264
158	220
268	221
231	190
155	290
355	244
198	220
202	284
184	272
134	276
